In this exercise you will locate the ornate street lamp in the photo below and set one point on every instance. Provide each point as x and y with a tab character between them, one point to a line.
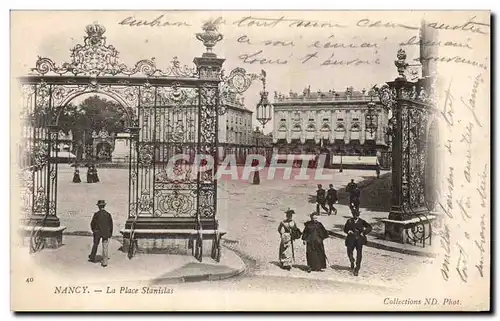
264	107
371	115
264	110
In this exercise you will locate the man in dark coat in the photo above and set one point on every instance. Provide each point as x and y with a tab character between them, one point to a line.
355	199
356	229
321	199
331	198
313	236
351	187
102	228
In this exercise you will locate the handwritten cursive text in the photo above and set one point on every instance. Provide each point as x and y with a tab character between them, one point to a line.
157	22
446	245
467	139
470	26
462	263
471	103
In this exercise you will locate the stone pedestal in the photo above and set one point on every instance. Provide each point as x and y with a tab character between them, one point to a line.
167	245
395	232
122	147
404	228
39	233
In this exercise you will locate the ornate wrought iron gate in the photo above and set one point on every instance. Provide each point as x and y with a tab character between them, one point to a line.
176	114
412	105
38	174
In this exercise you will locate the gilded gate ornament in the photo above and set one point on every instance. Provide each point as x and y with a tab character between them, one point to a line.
96	58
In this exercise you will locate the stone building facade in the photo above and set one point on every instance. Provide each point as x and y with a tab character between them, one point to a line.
235	125
333	122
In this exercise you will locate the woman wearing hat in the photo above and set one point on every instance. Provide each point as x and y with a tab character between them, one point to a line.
95	177
313	236
76	175
288	232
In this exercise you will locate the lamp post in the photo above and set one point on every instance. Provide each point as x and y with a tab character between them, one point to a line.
371	126
264	110
341	154
264	107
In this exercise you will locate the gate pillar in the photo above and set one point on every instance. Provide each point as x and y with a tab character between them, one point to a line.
411	104
41	227
173	198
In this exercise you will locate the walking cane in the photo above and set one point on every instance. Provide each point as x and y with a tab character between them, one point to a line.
326	257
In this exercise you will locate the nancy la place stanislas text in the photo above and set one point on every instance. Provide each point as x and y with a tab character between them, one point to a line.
83	289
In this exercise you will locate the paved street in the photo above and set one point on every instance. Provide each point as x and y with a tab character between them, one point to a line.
251	215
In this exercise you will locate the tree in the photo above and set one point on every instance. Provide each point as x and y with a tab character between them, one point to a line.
93	114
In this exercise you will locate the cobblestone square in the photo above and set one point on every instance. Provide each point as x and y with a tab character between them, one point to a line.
250	214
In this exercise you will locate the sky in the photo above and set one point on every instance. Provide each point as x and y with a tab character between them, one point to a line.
299	47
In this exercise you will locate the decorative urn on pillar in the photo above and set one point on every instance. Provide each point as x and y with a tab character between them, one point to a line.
209	37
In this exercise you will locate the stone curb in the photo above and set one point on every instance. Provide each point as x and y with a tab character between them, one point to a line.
381	246
182	279
200	278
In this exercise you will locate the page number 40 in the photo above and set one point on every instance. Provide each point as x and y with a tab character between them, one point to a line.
30	280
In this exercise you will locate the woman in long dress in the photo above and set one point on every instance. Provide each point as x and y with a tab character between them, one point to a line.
96	177
90	175
313	236
76	176
288	232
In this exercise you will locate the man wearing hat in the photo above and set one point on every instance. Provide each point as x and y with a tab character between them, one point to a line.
356	229
102	227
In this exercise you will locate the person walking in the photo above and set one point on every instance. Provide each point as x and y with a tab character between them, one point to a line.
313	236
331	198
256	175
321	199
351	187
289	232
102	228
95	177
76	175
90	176
377	170
356	229
355	199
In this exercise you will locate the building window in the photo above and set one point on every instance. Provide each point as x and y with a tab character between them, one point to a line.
325	119
340	119
311	119
282	119
355	119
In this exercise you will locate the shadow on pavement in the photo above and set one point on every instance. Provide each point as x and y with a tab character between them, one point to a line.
337	267
301	267
376	193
